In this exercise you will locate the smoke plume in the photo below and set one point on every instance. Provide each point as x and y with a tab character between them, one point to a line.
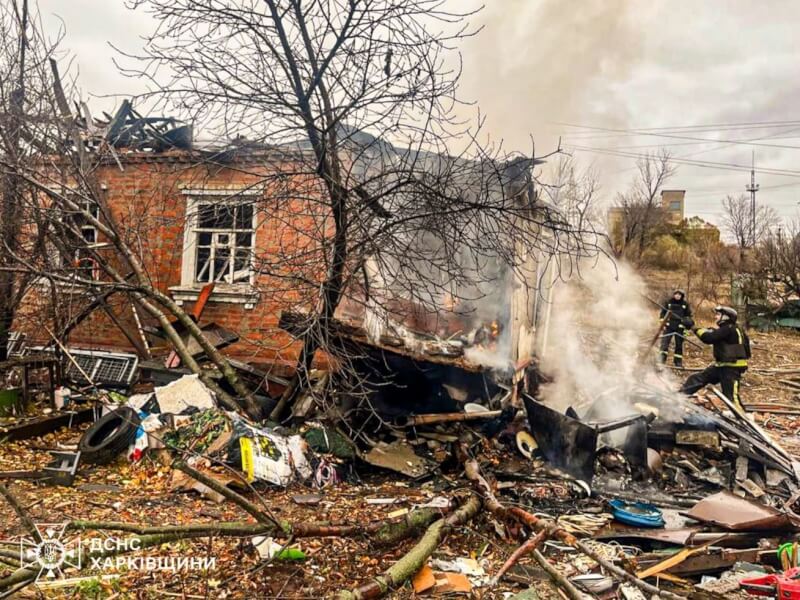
597	349
553	61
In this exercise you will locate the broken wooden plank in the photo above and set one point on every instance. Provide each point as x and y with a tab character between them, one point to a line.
697	437
174	360
42	426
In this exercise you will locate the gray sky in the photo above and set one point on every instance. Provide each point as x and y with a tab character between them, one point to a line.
683	66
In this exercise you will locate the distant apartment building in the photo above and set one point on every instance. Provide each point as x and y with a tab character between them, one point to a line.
673	203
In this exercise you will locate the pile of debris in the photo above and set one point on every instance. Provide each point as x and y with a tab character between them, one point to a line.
671	495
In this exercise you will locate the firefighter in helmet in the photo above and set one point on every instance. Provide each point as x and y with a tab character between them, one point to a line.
731	352
676	309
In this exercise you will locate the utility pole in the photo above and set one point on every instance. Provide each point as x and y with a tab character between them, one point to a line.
753	188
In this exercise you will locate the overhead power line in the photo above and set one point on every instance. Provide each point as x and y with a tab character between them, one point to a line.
705	127
642	132
691	162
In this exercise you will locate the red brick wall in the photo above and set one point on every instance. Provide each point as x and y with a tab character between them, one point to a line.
146	201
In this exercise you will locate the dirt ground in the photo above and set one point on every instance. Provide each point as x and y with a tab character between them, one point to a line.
140	493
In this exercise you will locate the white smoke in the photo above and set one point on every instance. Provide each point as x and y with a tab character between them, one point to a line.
598	348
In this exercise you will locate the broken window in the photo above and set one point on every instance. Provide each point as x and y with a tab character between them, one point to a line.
224	236
84	263
80	235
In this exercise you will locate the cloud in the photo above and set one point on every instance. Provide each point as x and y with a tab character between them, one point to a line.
605	63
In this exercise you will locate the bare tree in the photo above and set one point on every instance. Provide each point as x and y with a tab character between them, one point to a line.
777	260
356	99
47	170
643	217
23	100
576	192
747	228
708	271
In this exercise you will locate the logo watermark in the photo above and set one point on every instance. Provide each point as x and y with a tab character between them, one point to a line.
55	553
52	554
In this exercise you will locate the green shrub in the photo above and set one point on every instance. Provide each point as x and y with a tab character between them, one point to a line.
666	253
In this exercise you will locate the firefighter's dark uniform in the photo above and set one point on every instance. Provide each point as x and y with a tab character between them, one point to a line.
674	329
731	351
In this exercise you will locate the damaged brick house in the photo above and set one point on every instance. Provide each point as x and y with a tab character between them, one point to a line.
196	219
248	220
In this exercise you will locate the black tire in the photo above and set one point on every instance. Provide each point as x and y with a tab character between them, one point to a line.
109	436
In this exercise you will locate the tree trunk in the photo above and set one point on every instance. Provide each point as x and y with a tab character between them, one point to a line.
318	333
405	568
6	320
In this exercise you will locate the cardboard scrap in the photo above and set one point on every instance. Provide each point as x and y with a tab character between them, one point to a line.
423	580
441	583
452	583
182	482
398	457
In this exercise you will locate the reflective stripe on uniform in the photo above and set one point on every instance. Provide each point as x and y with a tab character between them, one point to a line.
700	331
742	362
736	399
678	355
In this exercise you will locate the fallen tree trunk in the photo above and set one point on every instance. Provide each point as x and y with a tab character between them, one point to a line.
527	548
262	516
405	568
381	532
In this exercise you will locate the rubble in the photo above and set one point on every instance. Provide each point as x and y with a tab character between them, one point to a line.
188	391
664	495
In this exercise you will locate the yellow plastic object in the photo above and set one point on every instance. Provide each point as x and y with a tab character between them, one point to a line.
526	444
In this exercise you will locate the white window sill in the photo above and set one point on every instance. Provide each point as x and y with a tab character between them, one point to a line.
223	293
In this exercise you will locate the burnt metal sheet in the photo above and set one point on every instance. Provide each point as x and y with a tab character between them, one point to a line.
712	560
571	444
217	336
734	513
565	442
682	536
679	537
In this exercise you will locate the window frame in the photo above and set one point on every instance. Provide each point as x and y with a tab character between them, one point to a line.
231	246
71	263
93	208
242	292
